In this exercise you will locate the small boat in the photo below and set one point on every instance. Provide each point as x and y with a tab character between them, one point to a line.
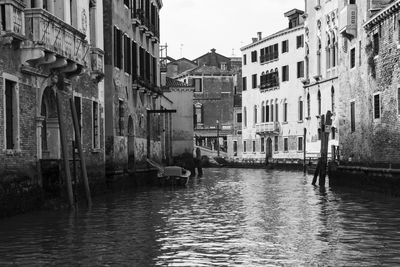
174	175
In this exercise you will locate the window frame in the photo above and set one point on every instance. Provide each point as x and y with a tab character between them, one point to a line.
15	112
378	94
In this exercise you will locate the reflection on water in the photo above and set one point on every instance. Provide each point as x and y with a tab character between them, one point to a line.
229	217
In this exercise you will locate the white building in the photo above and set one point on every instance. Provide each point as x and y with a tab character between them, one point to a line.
273	93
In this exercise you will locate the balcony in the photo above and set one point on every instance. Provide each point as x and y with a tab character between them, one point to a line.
53	44
267	128
12	20
348	21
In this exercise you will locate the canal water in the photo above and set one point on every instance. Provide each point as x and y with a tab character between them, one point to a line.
229	217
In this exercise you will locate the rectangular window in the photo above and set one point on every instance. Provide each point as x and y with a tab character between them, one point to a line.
121	118
285	46
3	17
244	60
11	115
300	144
254	146
300	110
276	143
285	144
353	116
254	81
96	123
134	61
376	43
285	73
244	83
118	46
254	56
352	58
300	41
127	53
377	106
239	117
277	112
235	148
198	85
300	69
262	145
244	146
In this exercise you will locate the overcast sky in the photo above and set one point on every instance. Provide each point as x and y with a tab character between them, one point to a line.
199	25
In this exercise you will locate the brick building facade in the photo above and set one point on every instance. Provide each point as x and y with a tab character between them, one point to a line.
51	48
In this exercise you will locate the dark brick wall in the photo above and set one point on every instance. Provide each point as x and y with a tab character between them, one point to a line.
217	100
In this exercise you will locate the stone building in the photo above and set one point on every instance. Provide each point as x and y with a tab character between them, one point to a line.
48	49
369	79
213	104
321	64
273	94
132	84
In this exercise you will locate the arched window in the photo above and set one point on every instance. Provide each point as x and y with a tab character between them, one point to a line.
319	103
272	110
308	105
334	50
267	112
276	110
328	52
319	57
285	111
333	99
262	111
198	114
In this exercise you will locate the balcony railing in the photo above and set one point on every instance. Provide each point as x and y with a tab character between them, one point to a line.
97	63
267	128
269	57
54	35
348	20
12	19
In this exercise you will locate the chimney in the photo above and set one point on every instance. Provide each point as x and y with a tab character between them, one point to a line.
213	50
259	35
254	40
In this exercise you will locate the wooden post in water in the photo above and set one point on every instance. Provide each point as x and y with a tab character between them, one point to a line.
78	142
64	150
326	124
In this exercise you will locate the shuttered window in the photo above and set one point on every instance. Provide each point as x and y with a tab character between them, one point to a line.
9	94
95	123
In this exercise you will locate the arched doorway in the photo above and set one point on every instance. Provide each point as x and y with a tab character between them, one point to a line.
131	144
50	132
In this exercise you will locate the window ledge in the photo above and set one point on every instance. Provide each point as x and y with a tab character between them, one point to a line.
95	150
284	122
300	121
308	118
270	61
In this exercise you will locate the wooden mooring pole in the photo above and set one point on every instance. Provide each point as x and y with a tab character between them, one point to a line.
78	143
64	150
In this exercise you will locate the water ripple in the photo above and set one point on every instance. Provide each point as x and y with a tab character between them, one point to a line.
229	217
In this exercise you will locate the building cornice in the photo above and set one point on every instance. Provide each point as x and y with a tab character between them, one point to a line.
382	15
273	36
320	82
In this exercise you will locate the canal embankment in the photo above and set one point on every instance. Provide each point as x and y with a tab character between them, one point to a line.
382	178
